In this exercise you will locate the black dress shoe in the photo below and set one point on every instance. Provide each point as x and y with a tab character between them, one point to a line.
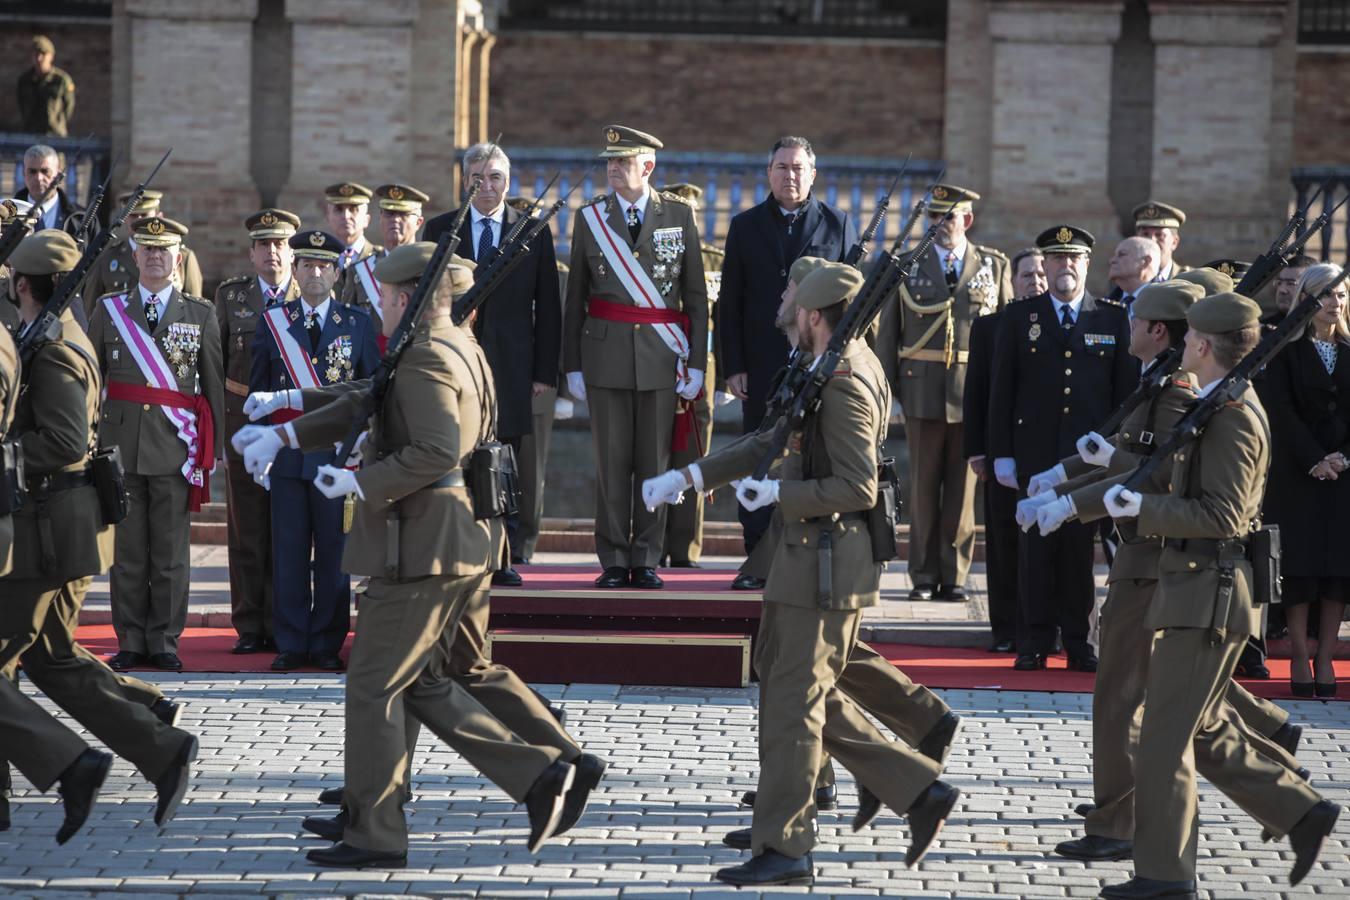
123	660
545	800
286	662
507	577
1301	688
827	798
589	770
1029	662
1148	888
738	839
1325	689
269	644
744	582
248	643
1288	737
167	661
79	785
645	577
167	711
937	743
951	592
1259	671
4	812
1095	848
1082	663
926	817
519	561
331	796
613	577
922	592
869	807
684	564
1002	646
1307	836
770	867
1083	809
330	662
173	784
345	856
330	829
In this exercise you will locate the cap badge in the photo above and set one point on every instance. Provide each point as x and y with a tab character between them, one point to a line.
268	219
1064	235
939	193
154	226
316	239
395	193
1226	268
1151	212
612	136
346	190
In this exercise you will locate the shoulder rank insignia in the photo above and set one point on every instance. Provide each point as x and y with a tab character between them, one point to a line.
1119	304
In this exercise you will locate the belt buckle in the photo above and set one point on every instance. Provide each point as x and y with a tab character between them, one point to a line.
1146	438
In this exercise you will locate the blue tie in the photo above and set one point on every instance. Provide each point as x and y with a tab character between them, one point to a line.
485	240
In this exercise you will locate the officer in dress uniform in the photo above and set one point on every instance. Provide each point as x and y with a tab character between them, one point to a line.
114	272
1202	612
635	341
240	303
307	343
159	352
347	210
400	220
923	340
1161	223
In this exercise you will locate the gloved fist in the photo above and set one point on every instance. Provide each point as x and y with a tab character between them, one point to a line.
1044	481
1054	514
1101	455
897	411
576	385
247	435
264	403
1029	507
333	482
668	487
259	455
689	388
1123	504
755	493
354	458
1005	471
722	398
562	409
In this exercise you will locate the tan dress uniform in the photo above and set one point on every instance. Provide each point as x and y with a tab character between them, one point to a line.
923	341
114	272
46	102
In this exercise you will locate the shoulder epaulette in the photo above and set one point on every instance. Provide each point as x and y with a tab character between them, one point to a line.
715	251
1185	384
239	279
1119	304
991	251
594	200
195	299
674	198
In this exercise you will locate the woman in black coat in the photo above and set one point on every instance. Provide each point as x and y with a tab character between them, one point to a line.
1306	393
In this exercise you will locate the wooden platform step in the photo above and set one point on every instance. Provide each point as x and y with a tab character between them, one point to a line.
602	656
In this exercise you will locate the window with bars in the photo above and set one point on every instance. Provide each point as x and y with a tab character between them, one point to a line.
1324	22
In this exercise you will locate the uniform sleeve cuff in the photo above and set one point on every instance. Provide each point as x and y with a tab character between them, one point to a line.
696	476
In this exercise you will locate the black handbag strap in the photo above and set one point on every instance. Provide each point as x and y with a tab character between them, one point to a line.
487	397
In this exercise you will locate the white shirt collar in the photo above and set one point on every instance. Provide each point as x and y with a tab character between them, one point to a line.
496	216
281	289
641	204
321	309
358	246
131	242
1075	305
162	298
959	253
1205	391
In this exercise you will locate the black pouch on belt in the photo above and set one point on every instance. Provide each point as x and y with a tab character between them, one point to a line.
885	513
11	478
110	483
1265	551
494	485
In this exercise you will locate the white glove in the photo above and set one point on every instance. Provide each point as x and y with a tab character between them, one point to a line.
259	455
333	482
1054	514
264	403
1123	504
562	409
1044	481
1028	507
1005	471
667	487
689	387
263	479
354	458
722	398
576	385
897	411
1099	457
247	435
754	493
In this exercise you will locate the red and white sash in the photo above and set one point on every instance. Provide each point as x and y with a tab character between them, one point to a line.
293	357
365	273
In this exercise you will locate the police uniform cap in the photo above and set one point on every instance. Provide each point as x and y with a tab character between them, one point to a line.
148	203
1222	313
401	198
950	198
1166	301
830	283
623	141
804	266
1065	239
347	193
1233	268
45	253
316	244
43	44
157	231
272	223
689	193
1158	215
1212	280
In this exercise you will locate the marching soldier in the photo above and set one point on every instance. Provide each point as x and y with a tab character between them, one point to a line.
635	340
115	271
1203	612
61	541
1161	223
400	219
304	344
923	341
240	303
159	350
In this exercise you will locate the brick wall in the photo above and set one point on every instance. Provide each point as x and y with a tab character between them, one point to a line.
84	49
848	97
1321	116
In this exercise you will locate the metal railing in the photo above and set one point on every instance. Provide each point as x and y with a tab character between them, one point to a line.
1333	241
83	175
731	183
1324	22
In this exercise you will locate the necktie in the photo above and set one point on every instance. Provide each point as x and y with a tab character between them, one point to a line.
152	313
950	270
485	241
312	326
272	294
792	218
1066	317
634	223
346	259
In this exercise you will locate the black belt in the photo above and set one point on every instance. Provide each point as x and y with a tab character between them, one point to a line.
1232	548
453	478
59	481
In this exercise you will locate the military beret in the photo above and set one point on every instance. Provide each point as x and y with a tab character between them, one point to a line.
401	198
689	193
1222	313
157	231
830	283
1065	239
272	223
43	44
347	193
1158	215
804	266
407	263
45	253
316	244
1233	268
949	198
148	203
622	141
1212	280
1166	301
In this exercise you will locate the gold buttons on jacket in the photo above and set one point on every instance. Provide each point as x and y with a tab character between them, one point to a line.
1191	564
1068	391
1066	410
1068	371
145	406
1068	354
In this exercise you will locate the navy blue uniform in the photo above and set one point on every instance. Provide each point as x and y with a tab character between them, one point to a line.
311	600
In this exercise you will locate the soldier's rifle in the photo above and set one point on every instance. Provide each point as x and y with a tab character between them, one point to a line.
47	326
858	250
1233	385
19	227
1281	253
524	220
91	211
1151	382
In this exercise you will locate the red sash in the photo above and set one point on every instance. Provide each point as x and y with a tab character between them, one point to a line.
206	431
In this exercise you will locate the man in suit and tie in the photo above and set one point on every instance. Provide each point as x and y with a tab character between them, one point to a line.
41	165
1133	265
635	336
520	328
240	303
159	352
1061	365
762	244
400	218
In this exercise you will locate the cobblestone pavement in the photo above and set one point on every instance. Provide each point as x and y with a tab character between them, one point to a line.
679	759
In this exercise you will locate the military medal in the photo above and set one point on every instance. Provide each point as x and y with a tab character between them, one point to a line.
112	266
1034	332
600	269
1032	317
